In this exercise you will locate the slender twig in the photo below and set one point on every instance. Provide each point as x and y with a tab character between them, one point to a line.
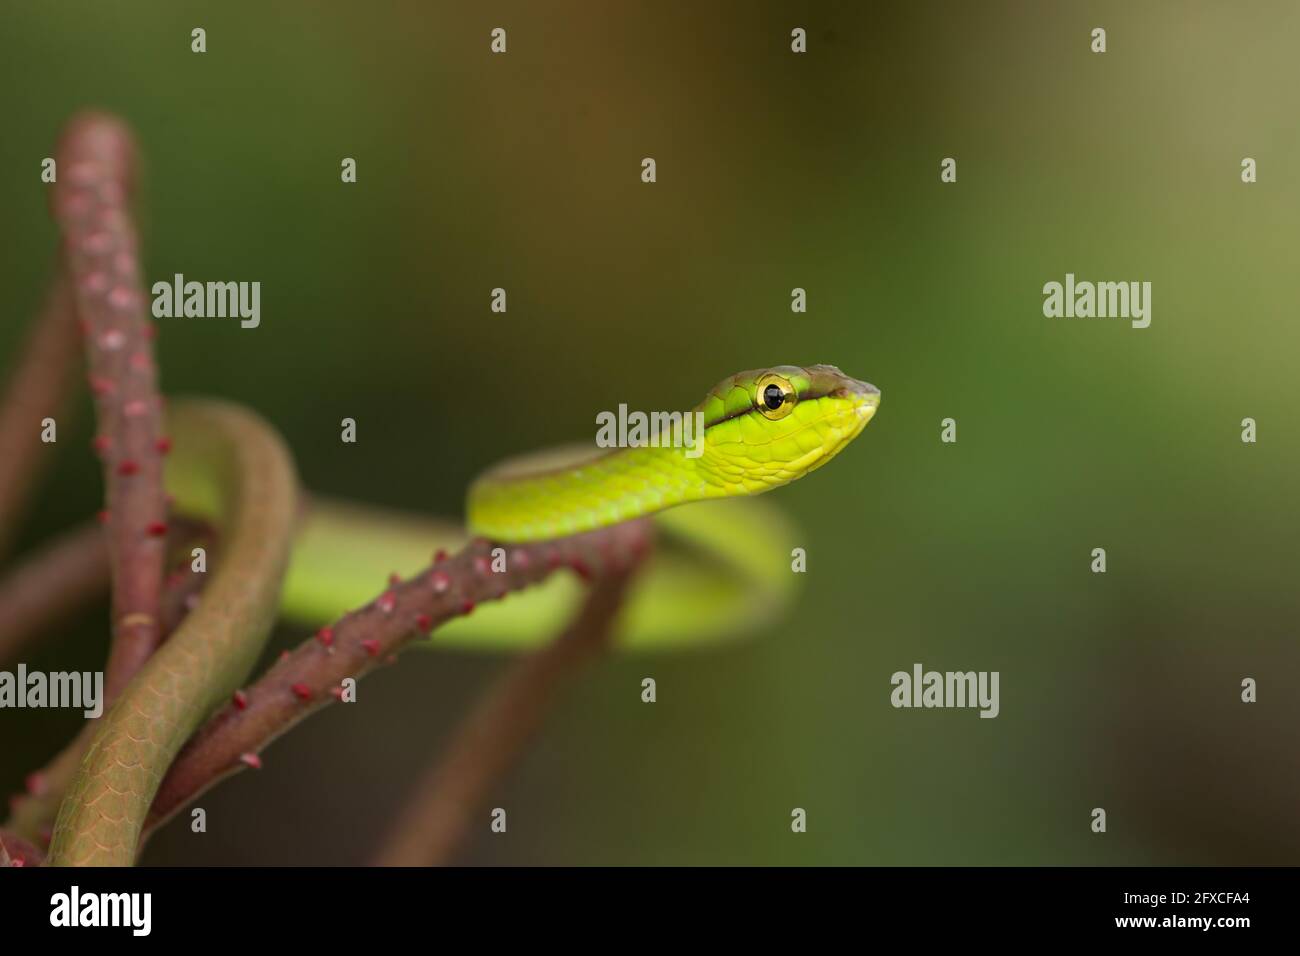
312	675
39	386
65	574
440	813
96	162
71	570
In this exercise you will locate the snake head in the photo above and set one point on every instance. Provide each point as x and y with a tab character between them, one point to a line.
766	427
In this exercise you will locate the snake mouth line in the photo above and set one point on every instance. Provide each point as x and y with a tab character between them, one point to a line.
864	411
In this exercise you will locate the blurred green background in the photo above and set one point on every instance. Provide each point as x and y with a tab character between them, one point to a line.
774	171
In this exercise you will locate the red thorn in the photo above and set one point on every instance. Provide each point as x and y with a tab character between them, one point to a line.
424	622
521	559
102	386
338	692
326	636
17	861
163	445
121	298
482	565
284	655
156	529
372	646
36	784
101	444
440	581
301	691
439	556
102	516
386	601
394	579
128	467
251	760
240	700
466	606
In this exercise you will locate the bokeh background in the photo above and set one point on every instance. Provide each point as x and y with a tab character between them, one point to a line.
774	171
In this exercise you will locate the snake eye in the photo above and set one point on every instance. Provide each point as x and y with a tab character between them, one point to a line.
774	396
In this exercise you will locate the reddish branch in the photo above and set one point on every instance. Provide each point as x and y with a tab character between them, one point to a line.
442	810
39	385
66	573
95	169
311	676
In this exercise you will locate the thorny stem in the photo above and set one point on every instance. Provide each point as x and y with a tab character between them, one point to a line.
311	675
38	388
95	163
440	813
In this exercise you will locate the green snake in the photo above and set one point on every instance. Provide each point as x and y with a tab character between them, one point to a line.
722	569
726	566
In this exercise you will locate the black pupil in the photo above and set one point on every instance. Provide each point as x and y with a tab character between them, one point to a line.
773	397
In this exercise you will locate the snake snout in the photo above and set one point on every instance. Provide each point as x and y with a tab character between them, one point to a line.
863	394
835	383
